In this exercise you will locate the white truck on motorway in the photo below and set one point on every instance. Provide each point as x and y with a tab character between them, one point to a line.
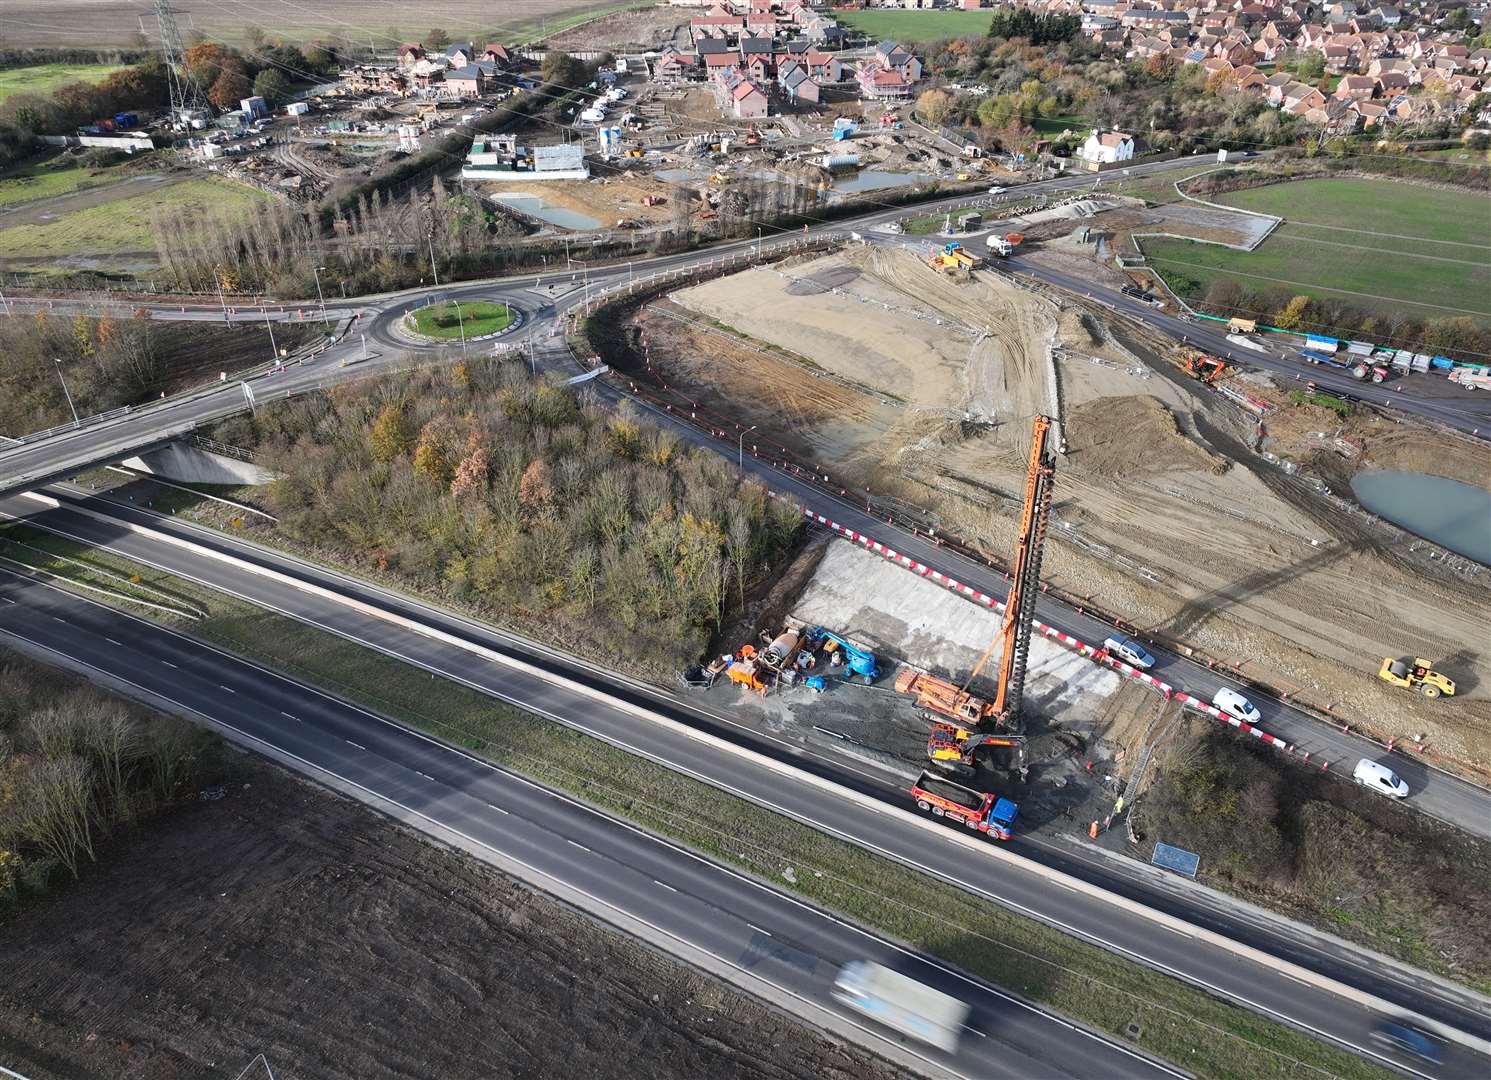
901	1003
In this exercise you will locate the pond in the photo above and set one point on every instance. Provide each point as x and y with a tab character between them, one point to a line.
534	206
875	179
1454	515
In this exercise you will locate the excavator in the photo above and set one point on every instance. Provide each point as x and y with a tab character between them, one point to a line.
952	748
1207	369
950	743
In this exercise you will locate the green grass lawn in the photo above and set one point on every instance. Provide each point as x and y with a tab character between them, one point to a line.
48	179
475	320
1210	1037
913	26
1372	243
44	78
123	225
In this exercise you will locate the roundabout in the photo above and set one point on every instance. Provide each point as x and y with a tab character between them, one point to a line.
440	320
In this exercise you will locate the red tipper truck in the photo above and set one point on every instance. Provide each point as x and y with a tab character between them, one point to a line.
983	812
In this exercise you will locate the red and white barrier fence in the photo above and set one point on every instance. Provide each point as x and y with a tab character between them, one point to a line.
923	570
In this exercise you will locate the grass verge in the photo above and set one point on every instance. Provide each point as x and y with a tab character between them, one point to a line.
1174	1020
916	25
123	225
44	78
49	179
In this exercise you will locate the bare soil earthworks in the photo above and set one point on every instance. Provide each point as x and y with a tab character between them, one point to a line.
1165	513
285	920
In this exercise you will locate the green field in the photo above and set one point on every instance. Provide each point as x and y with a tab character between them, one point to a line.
913	26
48	179
122	225
1372	243
44	78
472	320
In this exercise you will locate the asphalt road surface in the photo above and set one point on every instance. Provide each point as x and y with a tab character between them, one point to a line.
604	713
775	945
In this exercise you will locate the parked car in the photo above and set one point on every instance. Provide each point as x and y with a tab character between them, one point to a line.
1379	778
1235	705
996	191
1130	652
1407	1039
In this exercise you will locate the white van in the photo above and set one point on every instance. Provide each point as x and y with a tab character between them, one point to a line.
1379	778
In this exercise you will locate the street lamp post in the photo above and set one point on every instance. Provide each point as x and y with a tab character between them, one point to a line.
75	421
758	241
740	448
220	298
273	349
461	322
319	296
433	272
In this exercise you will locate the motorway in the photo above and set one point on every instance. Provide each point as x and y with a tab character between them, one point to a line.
607	707
771	944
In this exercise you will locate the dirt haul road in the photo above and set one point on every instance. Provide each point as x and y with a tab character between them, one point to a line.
1164	511
285	920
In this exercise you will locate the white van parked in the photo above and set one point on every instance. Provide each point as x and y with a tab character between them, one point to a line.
1379	778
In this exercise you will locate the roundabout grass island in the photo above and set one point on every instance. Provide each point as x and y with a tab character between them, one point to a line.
446	321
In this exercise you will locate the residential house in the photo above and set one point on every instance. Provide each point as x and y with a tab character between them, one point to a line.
1107	147
674	65
893	57
1356	87
1338	59
1372	113
798	85
495	53
823	67
461	54
882	84
748	101
470	80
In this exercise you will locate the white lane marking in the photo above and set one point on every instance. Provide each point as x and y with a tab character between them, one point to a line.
220	686
349	742
426	775
111	641
975	1031
169	664
1183	934
498	809
7	599
758	929
582	847
663	885
287	716
58	619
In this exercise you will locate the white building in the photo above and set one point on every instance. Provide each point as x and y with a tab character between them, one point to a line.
1107	147
498	157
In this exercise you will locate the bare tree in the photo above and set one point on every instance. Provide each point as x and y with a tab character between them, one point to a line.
51	809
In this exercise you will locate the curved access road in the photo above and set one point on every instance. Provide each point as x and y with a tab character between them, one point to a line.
771	944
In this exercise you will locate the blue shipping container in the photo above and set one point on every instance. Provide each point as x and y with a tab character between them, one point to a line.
1324	344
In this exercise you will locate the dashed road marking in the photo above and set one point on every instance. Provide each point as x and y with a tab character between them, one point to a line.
359	746
573	843
663	884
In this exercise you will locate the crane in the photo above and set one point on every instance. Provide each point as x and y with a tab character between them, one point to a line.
1019	609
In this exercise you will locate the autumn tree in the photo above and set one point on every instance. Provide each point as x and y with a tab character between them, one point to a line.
273	87
389	436
932	106
232	85
1292	315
